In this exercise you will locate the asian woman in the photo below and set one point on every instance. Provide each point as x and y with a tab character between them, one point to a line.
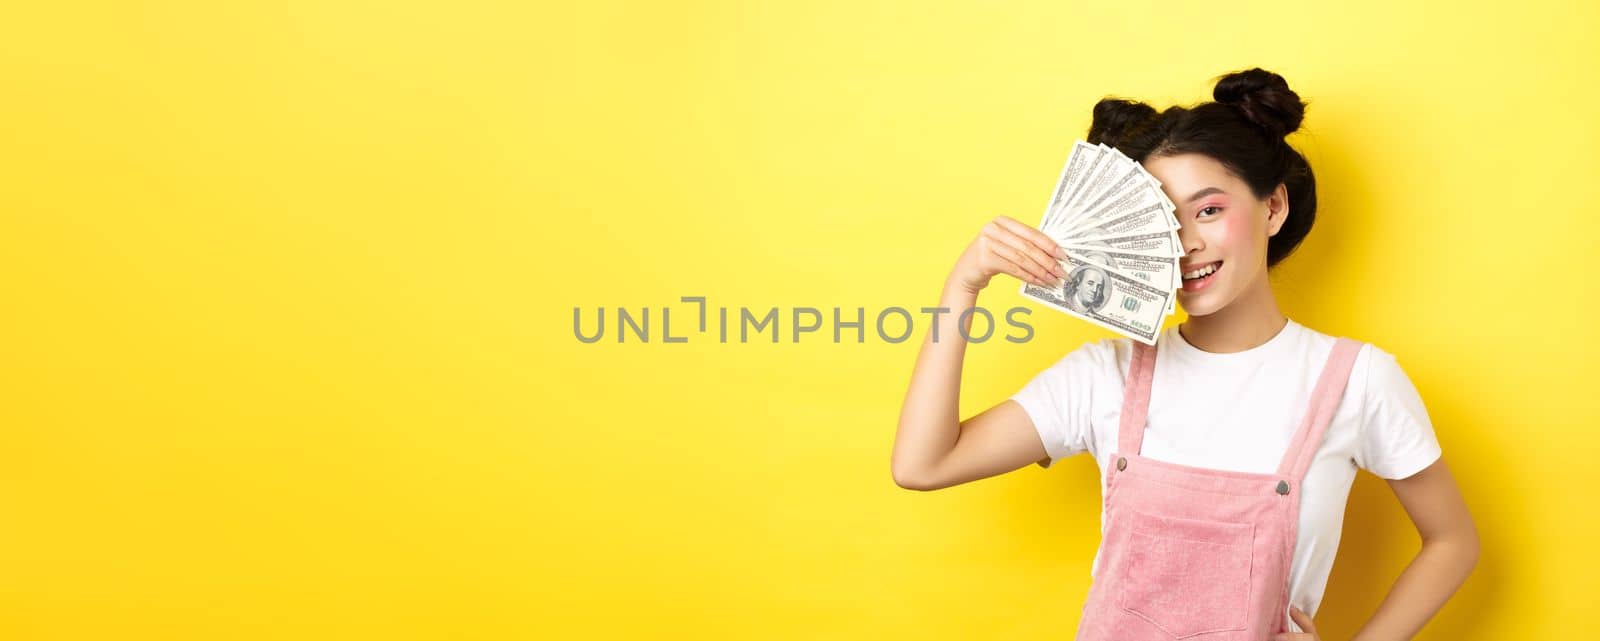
1227	450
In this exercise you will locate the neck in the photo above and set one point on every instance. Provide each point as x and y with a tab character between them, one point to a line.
1247	322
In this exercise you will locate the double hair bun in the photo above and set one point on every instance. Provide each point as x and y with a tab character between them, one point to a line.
1264	98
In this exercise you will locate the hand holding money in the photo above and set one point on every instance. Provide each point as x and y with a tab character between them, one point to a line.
1008	246
1118	244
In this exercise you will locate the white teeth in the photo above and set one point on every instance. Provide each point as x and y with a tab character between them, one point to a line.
1203	271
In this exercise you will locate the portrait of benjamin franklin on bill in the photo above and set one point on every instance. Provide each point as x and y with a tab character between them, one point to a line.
1085	289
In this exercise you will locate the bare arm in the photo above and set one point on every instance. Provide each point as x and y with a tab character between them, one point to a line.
1449	553
933	448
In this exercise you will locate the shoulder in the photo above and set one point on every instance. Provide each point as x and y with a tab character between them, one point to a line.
1383	374
1316	345
1376	373
1397	438
1368	357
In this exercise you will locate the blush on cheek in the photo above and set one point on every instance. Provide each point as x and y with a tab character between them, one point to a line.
1234	229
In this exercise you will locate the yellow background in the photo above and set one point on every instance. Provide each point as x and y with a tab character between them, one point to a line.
288	293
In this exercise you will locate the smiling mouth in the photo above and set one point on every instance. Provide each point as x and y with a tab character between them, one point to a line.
1203	272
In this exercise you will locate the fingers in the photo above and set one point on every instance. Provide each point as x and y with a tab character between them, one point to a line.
1039	239
1303	619
1003	259
1023	252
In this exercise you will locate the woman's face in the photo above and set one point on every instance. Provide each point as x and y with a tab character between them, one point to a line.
1221	224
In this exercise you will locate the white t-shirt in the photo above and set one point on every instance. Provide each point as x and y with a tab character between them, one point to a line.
1238	411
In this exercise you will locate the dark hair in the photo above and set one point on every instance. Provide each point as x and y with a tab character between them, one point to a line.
1243	128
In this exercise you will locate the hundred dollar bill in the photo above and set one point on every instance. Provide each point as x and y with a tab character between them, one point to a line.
1138	195
1130	176
1141	196
1161	243
1078	161
1149	218
1108	297
1155	270
1134	178
1152	180
1097	165
1160	271
1110	168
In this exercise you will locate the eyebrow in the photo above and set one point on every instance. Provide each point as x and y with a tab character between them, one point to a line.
1203	193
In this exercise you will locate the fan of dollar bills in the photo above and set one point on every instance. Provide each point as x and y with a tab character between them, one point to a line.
1121	242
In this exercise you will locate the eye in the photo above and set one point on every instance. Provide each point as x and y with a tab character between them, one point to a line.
1212	208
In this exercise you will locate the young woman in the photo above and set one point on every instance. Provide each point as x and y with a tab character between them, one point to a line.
1226	451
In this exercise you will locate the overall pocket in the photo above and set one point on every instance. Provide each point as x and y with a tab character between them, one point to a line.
1188	576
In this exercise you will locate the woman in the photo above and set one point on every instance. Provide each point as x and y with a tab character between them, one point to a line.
1228	450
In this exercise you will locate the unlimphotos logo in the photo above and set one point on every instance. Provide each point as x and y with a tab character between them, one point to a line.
892	324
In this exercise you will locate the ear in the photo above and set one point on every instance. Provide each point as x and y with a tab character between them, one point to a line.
1277	209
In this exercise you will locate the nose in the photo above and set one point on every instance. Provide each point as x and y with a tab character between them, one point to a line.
1189	238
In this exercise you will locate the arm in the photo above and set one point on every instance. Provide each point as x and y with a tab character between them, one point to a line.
1449	553
933	448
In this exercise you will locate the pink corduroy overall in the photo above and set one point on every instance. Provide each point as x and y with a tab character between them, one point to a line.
1196	553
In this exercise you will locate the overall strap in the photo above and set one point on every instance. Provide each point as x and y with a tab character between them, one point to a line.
1136	398
1324	402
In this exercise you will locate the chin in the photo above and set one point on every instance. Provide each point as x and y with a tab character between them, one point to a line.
1204	303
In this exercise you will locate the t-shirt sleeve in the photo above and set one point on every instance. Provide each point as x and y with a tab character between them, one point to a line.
1397	437
1058	402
